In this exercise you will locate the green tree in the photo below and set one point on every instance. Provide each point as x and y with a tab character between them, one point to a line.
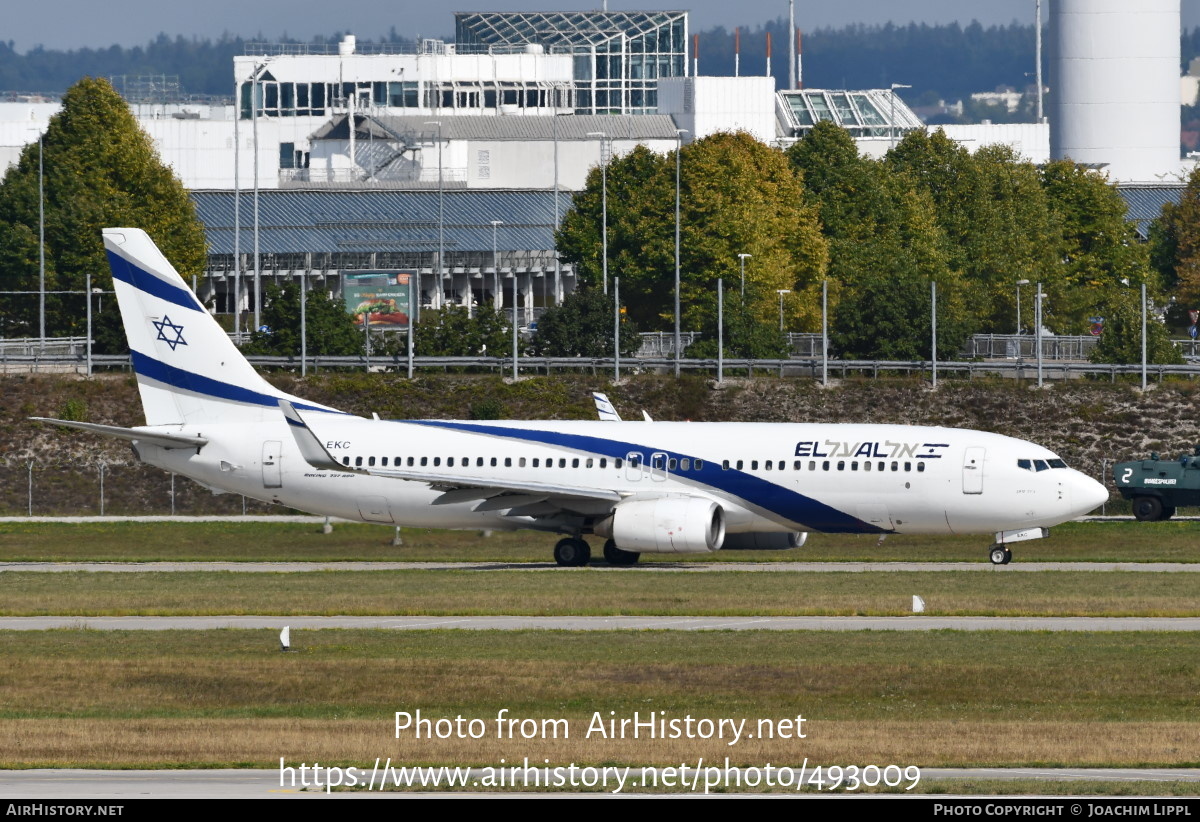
100	169
997	219
885	248
1121	341
737	196
331	331
747	333
583	327
1099	254
449	332
1175	244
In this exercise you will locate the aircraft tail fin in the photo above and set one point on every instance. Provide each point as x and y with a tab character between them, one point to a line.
188	370
604	408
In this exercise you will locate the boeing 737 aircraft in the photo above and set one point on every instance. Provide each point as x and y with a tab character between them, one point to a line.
643	487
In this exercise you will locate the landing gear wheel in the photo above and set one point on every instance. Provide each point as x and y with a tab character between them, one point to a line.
615	556
572	552
999	555
1147	509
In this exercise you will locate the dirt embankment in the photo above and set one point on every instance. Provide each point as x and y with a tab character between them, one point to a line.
1086	423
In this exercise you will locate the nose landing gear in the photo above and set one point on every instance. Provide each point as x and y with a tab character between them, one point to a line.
999	555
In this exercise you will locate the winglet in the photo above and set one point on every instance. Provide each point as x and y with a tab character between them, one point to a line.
604	408
311	448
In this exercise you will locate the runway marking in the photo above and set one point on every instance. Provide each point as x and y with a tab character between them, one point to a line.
607	623
645	567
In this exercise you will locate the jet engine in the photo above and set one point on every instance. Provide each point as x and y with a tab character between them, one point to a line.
670	525
764	541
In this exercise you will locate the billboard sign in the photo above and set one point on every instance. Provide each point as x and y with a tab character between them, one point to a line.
379	299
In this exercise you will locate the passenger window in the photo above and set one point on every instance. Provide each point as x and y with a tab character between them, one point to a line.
345	460
371	461
685	464
867	465
724	465
699	465
410	462
768	465
812	465
437	461
739	465
882	465
383	462
796	465
825	465
841	465
672	464
508	462
908	466
493	462
521	462
479	462
920	467
535	462
753	465
450	462
562	462
424	461
588	463
358	462
895	466
854	465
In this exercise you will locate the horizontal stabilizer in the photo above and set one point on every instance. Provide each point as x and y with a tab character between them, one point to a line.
143	435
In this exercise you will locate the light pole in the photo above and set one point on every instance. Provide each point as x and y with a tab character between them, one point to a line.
679	132
933	329
496	264
616	329
603	200
824	332
1019	284
254	129
42	247
781	292
892	114
720	331
742	260
237	214
1037	332
441	219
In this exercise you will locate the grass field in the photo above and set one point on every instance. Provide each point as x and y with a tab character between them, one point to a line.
1096	541
182	698
598	591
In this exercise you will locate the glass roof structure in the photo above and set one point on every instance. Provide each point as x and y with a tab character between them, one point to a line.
619	55
878	113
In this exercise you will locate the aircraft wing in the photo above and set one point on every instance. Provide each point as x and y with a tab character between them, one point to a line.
150	437
518	497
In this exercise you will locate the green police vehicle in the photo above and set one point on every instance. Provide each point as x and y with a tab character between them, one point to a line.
1157	486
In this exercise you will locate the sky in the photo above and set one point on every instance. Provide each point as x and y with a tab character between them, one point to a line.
67	24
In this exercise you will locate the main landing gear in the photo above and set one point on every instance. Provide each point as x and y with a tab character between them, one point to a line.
999	555
574	552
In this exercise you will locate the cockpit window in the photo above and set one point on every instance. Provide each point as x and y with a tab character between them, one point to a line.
1056	463
1026	464
1040	465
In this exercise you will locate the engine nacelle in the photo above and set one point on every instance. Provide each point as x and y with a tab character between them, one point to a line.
667	525
763	541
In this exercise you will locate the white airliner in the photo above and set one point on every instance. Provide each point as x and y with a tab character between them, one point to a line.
644	487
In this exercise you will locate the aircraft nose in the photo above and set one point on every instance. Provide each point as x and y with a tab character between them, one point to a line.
1087	494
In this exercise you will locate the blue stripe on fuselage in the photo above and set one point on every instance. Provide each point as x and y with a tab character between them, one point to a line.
188	381
756	491
127	272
